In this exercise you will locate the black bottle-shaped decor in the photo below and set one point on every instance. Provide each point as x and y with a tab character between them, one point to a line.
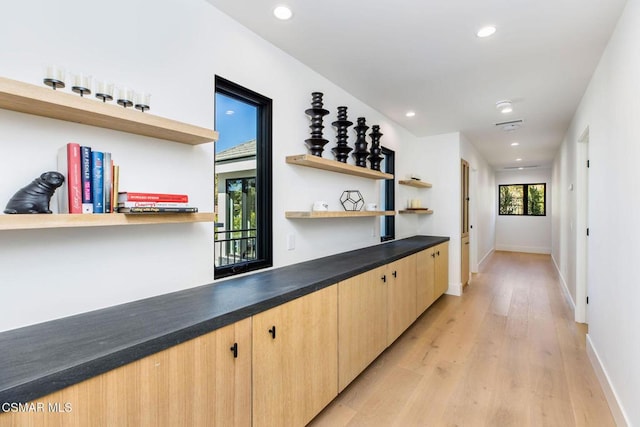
316	143
374	157
341	150
360	153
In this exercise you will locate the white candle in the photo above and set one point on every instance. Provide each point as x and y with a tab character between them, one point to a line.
82	81
125	93
55	73
104	88
142	98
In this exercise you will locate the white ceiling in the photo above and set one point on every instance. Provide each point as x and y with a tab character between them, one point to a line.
424	55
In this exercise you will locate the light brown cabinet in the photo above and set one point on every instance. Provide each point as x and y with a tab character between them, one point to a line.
432	275
292	360
375	307
401	296
425	279
362	323
441	268
295	359
196	383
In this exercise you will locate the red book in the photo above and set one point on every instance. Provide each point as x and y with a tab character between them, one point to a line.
70	194
152	197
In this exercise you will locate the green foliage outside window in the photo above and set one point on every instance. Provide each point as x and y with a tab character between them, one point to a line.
514	198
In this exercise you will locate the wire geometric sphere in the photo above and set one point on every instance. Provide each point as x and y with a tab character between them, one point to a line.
352	200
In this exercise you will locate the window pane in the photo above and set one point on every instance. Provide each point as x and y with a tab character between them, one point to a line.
536	198
243	236
511	200
235	231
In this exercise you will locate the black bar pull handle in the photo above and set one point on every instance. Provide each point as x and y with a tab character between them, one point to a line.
384	278
433	255
395	274
272	331
234	350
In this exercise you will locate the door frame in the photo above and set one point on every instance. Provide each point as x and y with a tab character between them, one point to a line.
582	224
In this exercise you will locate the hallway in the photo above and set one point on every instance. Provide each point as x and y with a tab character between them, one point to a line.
506	353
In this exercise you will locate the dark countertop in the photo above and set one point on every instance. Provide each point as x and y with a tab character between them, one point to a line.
40	359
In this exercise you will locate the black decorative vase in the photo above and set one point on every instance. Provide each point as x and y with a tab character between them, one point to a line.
341	150
374	157
360	153
316	143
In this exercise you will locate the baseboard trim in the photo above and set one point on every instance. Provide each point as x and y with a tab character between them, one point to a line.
484	258
525	249
565	288
609	392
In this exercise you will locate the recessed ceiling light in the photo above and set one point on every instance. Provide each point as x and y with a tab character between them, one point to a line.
504	106
518	160
515	144
520	169
229	112
282	12
410	114
487	31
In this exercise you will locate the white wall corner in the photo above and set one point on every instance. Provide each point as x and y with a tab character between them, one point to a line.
565	289
486	257
617	411
454	289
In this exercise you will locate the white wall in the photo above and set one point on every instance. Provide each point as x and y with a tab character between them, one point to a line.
610	109
525	233
172	49
482	204
437	160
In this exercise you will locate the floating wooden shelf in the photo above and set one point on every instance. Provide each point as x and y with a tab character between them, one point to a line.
335	166
415	183
417	211
336	214
56	104
38	221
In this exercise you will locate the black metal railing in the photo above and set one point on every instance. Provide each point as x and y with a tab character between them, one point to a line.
234	246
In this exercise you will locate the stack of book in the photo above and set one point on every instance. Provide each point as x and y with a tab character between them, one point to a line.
151	203
91	177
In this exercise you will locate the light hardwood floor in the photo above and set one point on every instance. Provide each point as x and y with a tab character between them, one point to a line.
506	353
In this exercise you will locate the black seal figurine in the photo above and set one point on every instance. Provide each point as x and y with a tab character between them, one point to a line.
35	197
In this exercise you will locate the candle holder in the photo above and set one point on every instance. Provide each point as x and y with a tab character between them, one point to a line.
341	150
142	101
124	97
360	153
316	143
81	84
104	91
54	77
374	153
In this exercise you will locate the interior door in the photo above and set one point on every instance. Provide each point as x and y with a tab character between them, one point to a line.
464	203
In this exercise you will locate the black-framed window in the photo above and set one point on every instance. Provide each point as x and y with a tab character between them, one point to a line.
243	179
387	196
522	199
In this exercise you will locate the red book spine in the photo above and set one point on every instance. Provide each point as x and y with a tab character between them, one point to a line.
153	197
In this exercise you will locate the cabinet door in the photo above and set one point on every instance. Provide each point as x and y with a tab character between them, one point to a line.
401	296
464	268
295	359
442	268
196	383
362	323
425	279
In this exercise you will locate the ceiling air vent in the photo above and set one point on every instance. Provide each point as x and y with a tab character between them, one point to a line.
510	125
521	167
